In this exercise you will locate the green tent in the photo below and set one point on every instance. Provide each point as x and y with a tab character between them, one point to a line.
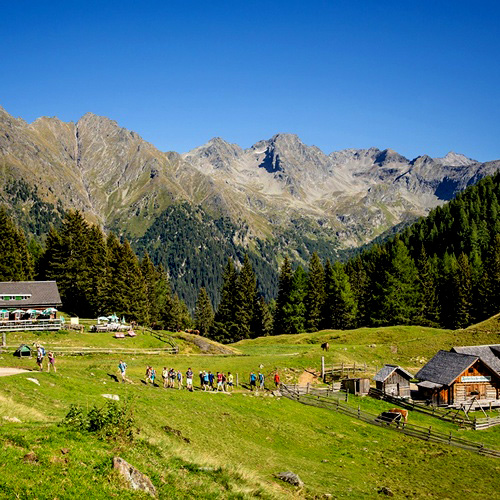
22	351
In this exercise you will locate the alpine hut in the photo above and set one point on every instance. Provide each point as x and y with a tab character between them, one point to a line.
393	380
453	378
490	354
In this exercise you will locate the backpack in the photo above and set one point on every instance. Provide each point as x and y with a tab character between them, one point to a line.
42	351
179	375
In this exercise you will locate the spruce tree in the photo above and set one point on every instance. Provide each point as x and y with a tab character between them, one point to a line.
294	318
204	314
263	321
315	296
245	301
16	263
225	323
340	304
427	307
283	299
462	288
400	289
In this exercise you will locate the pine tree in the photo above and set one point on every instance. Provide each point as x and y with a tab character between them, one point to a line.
340	304
294	318
283	299
315	296
401	294
204	314
263	322
428	307
16	263
244	301
490	282
225	323
462	288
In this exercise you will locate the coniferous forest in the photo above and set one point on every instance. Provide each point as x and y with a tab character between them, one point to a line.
444	270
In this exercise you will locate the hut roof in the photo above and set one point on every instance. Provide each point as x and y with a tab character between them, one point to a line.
445	367
387	370
41	294
490	354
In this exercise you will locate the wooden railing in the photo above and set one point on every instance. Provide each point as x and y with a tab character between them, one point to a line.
31	325
423	433
441	413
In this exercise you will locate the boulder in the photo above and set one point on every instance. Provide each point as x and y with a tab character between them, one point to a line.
114	397
135	479
291	478
12	419
386	491
34	380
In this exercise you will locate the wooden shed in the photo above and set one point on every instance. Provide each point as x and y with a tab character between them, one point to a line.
452	378
393	380
359	386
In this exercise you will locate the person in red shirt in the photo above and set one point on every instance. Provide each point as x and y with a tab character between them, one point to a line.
277	379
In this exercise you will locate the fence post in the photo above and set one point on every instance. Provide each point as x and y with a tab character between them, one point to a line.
430	431
4	344
449	439
307	388
346	396
237	380
323	368
359	411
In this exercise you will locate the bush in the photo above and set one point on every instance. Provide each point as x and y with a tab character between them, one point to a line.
111	421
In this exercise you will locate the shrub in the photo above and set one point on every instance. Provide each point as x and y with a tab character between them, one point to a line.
111	421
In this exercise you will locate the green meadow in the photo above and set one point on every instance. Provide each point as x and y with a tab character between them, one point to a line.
231	445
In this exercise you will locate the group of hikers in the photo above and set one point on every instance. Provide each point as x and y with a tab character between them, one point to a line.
40	356
217	382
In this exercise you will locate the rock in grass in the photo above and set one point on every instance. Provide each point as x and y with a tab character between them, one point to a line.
291	478
114	397
30	458
34	380
135	479
386	491
12	419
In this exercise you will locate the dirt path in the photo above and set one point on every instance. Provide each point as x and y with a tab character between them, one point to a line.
11	371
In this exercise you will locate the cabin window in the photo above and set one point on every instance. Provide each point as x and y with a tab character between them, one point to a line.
471	370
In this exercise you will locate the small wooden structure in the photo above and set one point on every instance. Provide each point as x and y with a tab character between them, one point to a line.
360	386
452	378
393	380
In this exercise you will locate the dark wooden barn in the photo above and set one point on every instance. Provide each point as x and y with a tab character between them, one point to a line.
393	380
358	385
452	378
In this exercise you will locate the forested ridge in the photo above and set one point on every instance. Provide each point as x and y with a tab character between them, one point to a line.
443	270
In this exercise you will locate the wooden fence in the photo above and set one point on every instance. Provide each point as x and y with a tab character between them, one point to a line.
441	413
342	370
423	433
31	325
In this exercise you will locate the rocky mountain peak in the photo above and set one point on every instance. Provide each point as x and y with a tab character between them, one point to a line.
453	159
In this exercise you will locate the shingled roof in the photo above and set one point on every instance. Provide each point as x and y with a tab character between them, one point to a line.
445	367
490	354
387	370
43	294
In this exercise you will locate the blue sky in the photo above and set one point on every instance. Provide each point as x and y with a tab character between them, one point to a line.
420	77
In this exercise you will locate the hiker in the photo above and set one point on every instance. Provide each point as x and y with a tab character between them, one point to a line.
253	381
277	379
261	381
220	386
152	375
172	375
40	353
205	381
164	376
179	379
224	380
122	366
51	361
201	379
211	378
189	380
230	381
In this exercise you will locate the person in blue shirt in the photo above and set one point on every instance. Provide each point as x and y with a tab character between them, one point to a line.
253	381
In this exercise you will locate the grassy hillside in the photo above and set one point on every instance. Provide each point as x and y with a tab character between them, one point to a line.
236	442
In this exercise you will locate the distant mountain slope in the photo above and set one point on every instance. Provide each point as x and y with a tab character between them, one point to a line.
291	198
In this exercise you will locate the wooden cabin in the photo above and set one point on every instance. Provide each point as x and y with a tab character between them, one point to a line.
453	378
19	297
359	386
490	354
393	380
